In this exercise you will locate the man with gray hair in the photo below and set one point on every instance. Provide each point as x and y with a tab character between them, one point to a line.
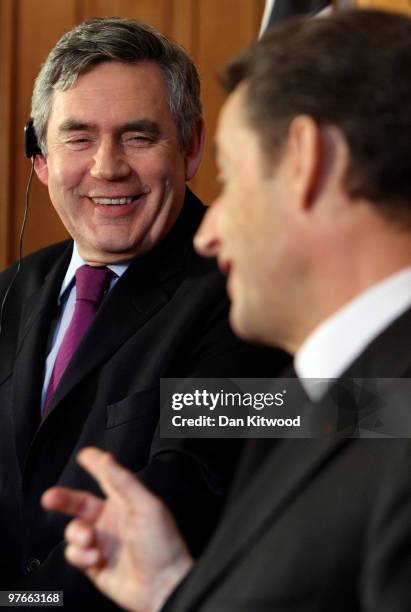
92	324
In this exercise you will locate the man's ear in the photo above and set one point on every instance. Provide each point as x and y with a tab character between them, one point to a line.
194	151
306	153
41	169
320	158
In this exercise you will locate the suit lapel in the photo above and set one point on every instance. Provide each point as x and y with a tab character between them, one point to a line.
287	469
37	314
134	300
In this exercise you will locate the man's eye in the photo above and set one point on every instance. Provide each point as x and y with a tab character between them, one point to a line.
137	140
77	143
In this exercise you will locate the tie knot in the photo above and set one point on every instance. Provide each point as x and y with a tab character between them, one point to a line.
91	283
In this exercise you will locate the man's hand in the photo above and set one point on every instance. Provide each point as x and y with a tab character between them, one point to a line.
127	544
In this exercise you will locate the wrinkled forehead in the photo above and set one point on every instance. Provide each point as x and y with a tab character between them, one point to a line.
118	77
117	92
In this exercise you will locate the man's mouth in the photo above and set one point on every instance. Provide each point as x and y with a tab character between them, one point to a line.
118	201
225	267
113	201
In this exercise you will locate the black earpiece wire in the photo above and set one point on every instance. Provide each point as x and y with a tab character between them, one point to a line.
23	227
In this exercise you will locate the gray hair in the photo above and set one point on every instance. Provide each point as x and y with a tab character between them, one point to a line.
116	39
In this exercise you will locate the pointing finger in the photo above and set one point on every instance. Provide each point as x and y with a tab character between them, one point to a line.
73	503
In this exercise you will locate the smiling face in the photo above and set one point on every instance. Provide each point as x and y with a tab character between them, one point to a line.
114	167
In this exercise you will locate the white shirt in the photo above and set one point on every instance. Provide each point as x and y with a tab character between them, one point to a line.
335	344
66	303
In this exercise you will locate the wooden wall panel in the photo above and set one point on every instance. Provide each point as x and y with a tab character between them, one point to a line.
38	30
210	30
183	23
156	14
223	29
7	96
401	6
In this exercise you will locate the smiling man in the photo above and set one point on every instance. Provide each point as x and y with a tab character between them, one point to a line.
115	167
92	324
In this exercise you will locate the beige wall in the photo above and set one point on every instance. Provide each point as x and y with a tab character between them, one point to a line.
211	30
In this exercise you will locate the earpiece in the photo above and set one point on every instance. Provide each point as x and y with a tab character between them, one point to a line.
31	148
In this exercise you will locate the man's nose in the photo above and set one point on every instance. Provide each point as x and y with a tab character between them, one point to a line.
206	240
108	162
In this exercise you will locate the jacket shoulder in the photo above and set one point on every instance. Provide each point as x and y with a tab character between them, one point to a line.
34	267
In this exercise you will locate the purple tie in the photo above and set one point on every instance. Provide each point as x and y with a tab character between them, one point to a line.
91	284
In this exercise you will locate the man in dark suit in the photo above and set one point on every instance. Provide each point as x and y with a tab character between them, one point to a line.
117	115
313	227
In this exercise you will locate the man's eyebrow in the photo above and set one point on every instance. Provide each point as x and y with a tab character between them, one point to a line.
72	125
145	126
142	125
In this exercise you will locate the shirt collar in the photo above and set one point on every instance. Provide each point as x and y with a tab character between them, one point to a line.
76	262
335	344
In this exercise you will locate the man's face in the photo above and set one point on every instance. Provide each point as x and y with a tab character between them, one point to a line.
246	227
114	168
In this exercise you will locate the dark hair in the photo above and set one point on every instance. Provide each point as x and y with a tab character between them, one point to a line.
351	70
122	40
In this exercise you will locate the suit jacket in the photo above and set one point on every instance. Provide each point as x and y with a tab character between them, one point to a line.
165	317
316	524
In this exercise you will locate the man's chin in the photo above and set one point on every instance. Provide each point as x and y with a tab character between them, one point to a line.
107	253
241	324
